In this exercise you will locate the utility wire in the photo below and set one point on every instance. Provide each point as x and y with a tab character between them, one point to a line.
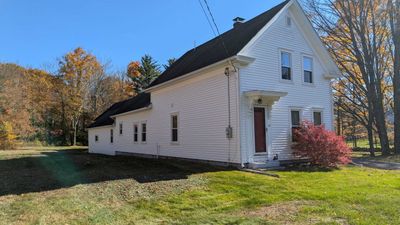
208	19
216	27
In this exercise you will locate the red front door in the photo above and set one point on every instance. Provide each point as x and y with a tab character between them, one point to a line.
259	130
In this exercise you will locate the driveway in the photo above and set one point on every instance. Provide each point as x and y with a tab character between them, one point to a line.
377	164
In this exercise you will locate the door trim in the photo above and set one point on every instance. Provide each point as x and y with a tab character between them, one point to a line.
265	152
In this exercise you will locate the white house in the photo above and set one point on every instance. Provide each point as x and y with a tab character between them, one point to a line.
235	99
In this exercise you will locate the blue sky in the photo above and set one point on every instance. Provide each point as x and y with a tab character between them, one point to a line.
35	33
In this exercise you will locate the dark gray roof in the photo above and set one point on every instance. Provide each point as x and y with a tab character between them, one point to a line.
214	51
137	102
204	55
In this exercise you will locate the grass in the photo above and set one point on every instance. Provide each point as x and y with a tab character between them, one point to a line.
72	187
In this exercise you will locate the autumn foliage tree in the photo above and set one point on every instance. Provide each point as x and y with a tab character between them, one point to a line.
78	71
7	136
143	73
322	147
358	36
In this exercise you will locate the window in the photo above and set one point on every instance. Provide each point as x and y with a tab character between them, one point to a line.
308	69
317	118
174	128
120	129
135	133
295	117
96	138
288	21
286	64
144	132
111	136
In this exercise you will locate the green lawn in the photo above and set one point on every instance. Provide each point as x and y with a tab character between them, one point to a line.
72	187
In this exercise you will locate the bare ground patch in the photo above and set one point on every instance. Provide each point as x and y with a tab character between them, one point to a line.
289	213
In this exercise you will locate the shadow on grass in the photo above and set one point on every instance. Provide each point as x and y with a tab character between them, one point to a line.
61	169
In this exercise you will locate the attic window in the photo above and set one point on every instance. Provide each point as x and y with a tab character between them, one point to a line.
288	21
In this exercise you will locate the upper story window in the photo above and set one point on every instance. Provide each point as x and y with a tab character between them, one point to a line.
144	132
295	122
308	69
120	129
174	128
96	138
286	66
135	133
317	118
111	136
288	21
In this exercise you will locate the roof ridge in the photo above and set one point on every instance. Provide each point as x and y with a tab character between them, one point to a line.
196	58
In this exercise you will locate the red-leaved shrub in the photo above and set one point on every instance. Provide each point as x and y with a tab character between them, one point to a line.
322	147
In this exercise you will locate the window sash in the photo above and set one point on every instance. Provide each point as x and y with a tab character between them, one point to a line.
308	77
295	117
295	123
96	138
286	66
144	132
286	73
308	69
135	133
111	136
286	59
174	128
317	118
120	129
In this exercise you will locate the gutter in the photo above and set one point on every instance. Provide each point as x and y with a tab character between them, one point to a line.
133	111
240	59
99	127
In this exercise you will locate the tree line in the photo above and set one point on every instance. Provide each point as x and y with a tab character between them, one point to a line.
363	36
54	108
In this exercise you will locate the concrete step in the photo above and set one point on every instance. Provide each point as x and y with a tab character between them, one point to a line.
264	165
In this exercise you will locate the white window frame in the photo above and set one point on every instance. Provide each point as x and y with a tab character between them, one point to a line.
290	120
141	132
290	52
121	129
322	115
312	70
171	128
137	134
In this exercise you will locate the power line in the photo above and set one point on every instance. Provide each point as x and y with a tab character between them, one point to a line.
212	17
208	19
216	27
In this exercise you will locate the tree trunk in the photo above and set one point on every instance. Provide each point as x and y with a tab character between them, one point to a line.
75	127
395	24
370	133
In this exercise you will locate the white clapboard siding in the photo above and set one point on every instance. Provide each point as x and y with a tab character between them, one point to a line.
202	107
264	74
103	145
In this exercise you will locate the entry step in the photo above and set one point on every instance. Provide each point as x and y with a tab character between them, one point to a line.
265	165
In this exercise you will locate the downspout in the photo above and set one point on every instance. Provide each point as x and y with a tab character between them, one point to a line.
228	130
238	122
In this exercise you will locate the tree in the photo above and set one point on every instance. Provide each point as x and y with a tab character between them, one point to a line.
169	63
394	21
356	34
78	71
143	73
7	136
14	99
